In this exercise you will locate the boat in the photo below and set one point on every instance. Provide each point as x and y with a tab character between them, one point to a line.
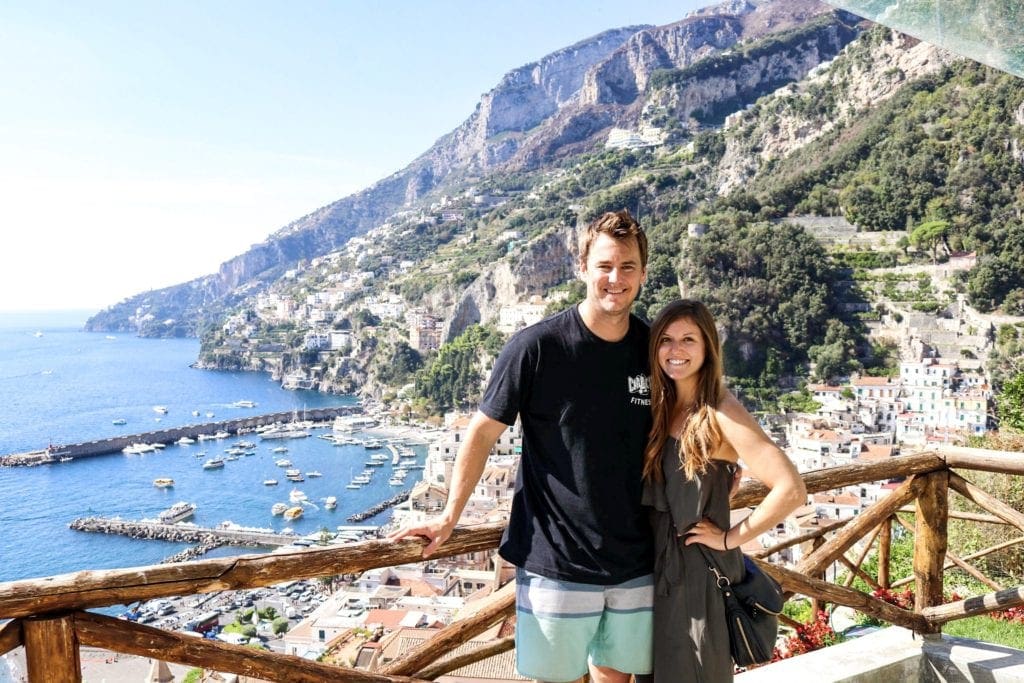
396	481
185	441
163	482
351	423
278	509
296	496
244	404
293	512
314	473
284	433
221	435
283	462
160	409
136	448
353	485
279	449
213	464
270	482
209	415
66	458
247	445
119	421
330	502
177	512
38	334
373	443
195	413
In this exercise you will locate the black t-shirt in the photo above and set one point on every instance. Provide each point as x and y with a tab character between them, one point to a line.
584	406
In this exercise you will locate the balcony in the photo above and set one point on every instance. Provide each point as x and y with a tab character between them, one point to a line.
49	616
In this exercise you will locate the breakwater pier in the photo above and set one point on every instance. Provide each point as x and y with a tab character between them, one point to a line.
207	537
57	452
380	507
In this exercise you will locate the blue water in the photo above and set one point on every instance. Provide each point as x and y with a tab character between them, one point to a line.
67	386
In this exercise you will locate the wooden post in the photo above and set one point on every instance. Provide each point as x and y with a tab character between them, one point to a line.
51	649
884	550
930	543
816	604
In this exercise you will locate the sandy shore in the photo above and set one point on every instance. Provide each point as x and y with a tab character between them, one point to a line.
98	666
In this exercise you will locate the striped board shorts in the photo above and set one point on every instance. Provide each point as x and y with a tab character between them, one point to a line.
561	626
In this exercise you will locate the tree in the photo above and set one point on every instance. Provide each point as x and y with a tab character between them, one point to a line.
769	287
1010	403
929	235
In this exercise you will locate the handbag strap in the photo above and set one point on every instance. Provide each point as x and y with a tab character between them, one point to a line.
721	580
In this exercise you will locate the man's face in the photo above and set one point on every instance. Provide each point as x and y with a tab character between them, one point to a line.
613	274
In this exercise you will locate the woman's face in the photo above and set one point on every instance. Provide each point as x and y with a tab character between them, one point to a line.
681	350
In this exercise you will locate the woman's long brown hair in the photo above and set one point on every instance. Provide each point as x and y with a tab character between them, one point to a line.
701	435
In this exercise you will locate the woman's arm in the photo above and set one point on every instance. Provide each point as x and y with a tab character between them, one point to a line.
744	438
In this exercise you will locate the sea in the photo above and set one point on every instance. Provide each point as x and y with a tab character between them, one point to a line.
60	385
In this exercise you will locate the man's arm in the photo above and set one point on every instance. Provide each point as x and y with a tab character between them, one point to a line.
481	436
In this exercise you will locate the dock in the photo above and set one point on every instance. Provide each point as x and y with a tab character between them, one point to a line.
64	452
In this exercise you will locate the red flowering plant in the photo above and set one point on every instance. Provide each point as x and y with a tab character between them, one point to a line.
813	635
1013	615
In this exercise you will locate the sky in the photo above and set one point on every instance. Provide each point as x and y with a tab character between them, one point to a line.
143	143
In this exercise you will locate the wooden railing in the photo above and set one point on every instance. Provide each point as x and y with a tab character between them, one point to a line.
49	617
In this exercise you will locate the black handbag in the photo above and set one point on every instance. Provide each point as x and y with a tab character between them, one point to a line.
752	608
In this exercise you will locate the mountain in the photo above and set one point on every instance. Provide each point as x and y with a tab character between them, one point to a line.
539	114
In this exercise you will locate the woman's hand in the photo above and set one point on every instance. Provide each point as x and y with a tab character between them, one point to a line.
708	533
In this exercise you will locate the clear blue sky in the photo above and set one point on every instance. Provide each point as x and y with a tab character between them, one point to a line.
143	143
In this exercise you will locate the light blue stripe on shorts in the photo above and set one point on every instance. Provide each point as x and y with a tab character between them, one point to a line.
563	625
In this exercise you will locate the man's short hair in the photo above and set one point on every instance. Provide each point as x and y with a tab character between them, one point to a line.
619	225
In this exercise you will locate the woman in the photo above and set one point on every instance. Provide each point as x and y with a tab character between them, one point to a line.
699	433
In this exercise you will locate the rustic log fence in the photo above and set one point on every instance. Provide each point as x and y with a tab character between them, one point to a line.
48	615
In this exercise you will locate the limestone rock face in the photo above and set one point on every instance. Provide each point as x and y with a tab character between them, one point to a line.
875	74
544	262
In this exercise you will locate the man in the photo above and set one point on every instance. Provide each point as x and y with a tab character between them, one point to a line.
579	382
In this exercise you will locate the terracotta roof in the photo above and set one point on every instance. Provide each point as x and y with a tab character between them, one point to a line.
460	423
872	381
388	618
499	668
872	451
419	588
839	499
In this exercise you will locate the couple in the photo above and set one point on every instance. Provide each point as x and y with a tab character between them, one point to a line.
595	588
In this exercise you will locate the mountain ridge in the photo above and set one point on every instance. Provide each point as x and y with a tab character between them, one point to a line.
530	116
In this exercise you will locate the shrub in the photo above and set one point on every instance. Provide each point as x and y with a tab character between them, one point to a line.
808	637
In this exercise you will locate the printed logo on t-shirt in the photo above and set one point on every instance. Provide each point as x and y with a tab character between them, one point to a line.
639	390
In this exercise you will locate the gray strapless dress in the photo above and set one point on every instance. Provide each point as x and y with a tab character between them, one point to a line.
691	641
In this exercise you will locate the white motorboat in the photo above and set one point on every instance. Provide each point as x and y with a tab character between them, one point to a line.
177	512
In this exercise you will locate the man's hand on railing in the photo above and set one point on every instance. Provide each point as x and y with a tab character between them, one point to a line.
436	530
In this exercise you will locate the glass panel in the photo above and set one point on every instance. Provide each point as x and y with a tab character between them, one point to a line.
987	31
